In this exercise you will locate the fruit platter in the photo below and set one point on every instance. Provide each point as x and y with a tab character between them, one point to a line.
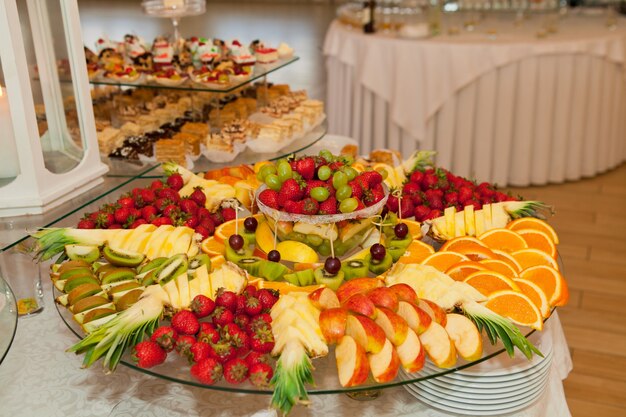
313	274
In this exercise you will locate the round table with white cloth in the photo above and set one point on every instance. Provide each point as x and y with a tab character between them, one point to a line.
499	104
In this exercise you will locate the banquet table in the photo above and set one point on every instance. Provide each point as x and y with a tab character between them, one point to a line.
505	103
39	378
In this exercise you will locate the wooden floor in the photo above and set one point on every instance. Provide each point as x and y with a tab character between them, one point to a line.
591	224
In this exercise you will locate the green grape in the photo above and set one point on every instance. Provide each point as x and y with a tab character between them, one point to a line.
273	182
348	159
314	240
350	172
320	193
348	205
259	176
343	192
323	173
339	179
383	172
284	171
325	153
265	171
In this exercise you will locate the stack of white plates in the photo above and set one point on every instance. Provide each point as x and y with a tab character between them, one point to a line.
500	385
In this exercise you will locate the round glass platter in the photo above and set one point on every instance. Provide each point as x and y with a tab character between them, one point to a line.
176	369
8	318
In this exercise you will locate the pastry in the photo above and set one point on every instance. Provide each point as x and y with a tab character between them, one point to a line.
162	54
284	51
386	156
191	141
198	129
206	52
241	55
266	55
109	139
352	150
166	150
217	142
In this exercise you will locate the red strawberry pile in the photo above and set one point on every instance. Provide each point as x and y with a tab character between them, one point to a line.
230	337
429	191
324	184
159	204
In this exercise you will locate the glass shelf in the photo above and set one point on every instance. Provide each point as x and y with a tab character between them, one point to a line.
260	71
8	318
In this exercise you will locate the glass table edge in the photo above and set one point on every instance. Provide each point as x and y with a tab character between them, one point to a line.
15	317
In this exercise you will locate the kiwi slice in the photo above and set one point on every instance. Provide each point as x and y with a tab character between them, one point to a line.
97	313
120	257
82	291
87	253
103	269
354	269
75	272
378	267
248	237
128	299
78	280
170	269
292	279
395	241
124	286
149	278
117	274
235	256
272	271
153	264
251	264
332	281
88	303
300	278
314	240
199	260
66	266
396	252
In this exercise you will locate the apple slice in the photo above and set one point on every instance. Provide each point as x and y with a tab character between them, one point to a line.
433	310
438	346
324	298
384	297
384	364
352	365
366	332
411	353
404	292
360	304
466	337
333	324
417	319
357	286
394	326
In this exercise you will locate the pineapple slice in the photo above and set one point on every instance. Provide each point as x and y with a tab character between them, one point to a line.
172	292
449	216
487	216
182	283
202	281
459	224
156	241
470	221
499	216
139	238
171	247
479	222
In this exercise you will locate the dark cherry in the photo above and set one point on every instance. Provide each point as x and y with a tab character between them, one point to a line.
250	223
332	265
384	212
401	230
236	242
273	256
378	251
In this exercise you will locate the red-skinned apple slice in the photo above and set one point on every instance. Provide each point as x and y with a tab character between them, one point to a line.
333	324
394	326
404	292
417	319
411	353
466	337
384	364
366	332
357	286
352	365
434	311
324	298
360	304
438	345
384	297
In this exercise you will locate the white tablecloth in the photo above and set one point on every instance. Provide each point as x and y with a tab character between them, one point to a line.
38	378
514	109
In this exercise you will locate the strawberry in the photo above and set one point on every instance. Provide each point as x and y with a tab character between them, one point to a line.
86	224
162	203
269	198
208	333
257	357
104	220
329	206
208	371
165	336
290	190
223	351
253	306
202	306
295	207
226	299
306	167
127	202
421	212
310	206
393	204
335	166
250	291
122	214
203	231
172	211
406	208
203	213
372	178
429	181
156	185
235	371
115	226
147	354
417	198
240	304
242	320
198	196
410	189
199	351
185	322
465	193
313	184
137	223
260	374
357	189
359	205
433	214
187	205
500	196
435	203
229	331
451	198
267	298
207	223
221	316
228	213
262	340
191	222
169	194
416	177
175	181
147	196
183	344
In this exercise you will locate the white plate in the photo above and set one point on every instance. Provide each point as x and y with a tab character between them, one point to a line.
334	143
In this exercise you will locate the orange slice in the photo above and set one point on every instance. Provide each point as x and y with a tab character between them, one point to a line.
500	266
416	252
229	228
549	280
475	252
462	270
443	260
415	228
506	257
213	247
531	257
533	223
503	239
450	245
538	240
516	306
536	294
217	261
488	282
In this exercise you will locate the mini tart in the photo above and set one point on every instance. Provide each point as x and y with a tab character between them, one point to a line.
266	55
